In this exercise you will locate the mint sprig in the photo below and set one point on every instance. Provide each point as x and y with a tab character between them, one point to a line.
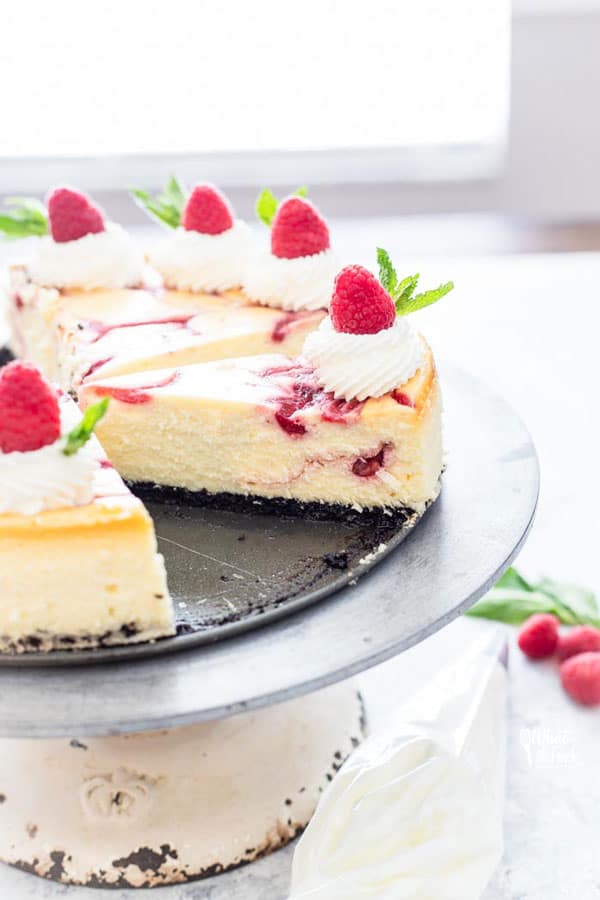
80	435
267	204
167	206
513	599
403	292
26	217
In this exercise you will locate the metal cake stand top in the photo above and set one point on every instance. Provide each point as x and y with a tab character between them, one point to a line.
460	547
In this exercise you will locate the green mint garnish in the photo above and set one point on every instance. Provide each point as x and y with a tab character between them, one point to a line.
167	206
266	206
513	599
80	435
24	218
403	292
267	203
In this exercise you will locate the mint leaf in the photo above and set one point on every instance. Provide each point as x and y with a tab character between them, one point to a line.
514	606
266	206
25	217
167	206
513	579
581	601
403	292
410	304
513	599
387	273
174	193
80	435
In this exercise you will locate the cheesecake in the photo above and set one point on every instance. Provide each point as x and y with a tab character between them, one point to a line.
75	335
353	423
86	305
78	553
262	428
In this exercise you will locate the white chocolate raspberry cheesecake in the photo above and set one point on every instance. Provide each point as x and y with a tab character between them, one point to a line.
75	335
81	307
353	423
78	559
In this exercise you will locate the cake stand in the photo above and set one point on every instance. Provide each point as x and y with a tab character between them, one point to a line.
140	775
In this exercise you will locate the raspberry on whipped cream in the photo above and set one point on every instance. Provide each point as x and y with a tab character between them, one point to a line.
208	247
40	468
366	347
298	271
357	366
105	259
76	247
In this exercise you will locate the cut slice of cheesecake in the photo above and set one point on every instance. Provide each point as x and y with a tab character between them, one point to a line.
261	427
79	576
77	335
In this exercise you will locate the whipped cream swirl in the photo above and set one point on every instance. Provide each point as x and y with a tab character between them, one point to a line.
292	284
108	259
357	366
46	479
190	261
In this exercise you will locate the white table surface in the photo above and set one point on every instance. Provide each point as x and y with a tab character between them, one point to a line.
529	326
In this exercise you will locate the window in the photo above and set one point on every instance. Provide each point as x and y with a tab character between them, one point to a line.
124	79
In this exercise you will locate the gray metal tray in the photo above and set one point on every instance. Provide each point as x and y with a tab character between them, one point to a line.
462	544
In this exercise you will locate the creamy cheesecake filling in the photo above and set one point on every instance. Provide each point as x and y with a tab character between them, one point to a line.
264	426
79	564
75	335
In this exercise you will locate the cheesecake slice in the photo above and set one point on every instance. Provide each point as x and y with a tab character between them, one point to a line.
76	335
79	566
263	427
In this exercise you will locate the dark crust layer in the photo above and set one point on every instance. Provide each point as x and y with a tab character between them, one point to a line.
5	356
274	506
42	641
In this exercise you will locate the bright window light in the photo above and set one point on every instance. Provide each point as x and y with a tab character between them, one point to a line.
122	77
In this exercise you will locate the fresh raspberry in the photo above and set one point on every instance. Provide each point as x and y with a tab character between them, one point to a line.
539	636
207	211
29	413
580	676
580	639
72	215
298	230
360	305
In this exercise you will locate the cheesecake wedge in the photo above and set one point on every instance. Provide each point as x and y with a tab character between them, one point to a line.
79	565
262	427
75	335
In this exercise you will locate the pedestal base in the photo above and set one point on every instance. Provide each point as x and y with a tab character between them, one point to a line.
171	806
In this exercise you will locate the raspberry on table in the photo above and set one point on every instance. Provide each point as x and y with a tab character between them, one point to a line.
207	211
29	411
360	304
538	637
580	676
72	215
298	230
579	639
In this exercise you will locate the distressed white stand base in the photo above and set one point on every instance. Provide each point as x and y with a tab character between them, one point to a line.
165	807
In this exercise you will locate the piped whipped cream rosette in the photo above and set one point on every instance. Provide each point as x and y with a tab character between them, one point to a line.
366	347
207	249
76	246
297	272
42	466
